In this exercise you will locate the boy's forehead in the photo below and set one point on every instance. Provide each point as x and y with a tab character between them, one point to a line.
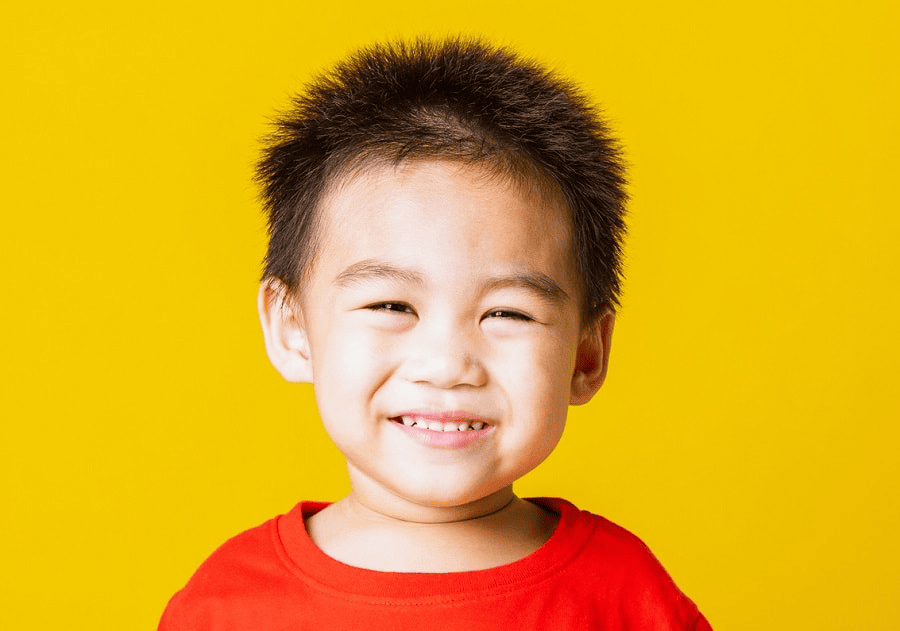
384	181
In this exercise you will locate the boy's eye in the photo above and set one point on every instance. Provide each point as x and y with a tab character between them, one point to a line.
508	314
392	307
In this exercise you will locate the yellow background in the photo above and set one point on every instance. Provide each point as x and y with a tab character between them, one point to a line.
748	430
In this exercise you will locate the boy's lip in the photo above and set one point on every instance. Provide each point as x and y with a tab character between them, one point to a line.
444	429
467	430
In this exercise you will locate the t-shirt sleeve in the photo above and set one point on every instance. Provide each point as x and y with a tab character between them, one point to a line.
168	621
701	624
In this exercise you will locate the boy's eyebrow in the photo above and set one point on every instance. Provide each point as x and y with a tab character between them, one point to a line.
370	269
540	284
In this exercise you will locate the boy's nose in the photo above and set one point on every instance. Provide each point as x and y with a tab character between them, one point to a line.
445	361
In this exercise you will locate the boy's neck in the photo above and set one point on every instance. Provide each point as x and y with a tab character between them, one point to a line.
450	541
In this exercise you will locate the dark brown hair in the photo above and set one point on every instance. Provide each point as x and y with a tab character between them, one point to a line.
457	99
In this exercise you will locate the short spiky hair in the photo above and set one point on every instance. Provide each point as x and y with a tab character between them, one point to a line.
456	100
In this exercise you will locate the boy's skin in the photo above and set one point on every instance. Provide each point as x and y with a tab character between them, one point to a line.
439	292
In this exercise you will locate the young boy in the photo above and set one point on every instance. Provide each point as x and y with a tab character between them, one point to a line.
444	261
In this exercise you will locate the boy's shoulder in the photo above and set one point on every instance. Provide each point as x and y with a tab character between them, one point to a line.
232	577
273	576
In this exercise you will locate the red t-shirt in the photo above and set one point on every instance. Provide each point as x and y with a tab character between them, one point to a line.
590	574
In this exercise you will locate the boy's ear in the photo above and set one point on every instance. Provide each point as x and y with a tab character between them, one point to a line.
283	328
592	358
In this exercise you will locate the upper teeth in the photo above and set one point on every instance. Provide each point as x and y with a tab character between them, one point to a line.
438	426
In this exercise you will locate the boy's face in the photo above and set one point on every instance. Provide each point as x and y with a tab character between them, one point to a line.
445	297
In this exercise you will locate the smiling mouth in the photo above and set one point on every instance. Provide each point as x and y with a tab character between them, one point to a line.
440	426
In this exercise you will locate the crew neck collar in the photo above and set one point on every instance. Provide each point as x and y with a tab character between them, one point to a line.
313	566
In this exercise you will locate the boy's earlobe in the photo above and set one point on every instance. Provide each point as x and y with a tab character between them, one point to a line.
592	358
284	331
